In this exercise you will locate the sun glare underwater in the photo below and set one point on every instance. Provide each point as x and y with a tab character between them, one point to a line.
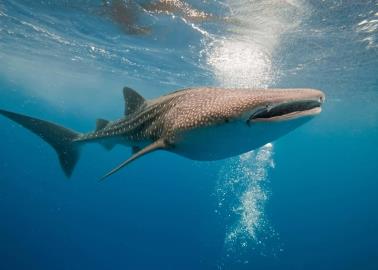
308	200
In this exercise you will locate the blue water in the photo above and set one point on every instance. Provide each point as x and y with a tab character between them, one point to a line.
307	201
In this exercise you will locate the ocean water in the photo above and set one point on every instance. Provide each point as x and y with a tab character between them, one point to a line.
306	201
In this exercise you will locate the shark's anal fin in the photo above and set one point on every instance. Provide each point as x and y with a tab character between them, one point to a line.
108	145
159	144
133	101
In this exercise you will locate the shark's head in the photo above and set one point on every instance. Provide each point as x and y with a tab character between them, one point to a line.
235	121
272	113
281	105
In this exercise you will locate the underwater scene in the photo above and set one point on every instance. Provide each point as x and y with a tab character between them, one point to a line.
106	163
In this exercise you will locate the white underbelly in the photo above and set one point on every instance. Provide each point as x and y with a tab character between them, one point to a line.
218	142
230	139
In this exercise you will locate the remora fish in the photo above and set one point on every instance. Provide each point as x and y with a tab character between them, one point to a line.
197	123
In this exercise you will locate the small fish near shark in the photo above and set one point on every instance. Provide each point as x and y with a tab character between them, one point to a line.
128	14
197	123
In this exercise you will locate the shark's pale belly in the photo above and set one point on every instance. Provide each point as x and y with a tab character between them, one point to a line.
213	143
227	140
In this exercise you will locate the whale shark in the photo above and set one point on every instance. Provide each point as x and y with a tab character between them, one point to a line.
197	123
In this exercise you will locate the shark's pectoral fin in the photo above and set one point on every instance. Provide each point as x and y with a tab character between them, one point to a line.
159	144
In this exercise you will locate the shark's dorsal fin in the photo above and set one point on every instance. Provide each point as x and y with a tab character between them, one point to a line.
101	123
133	101
159	144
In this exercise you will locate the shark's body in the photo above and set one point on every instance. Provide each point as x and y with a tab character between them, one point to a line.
198	123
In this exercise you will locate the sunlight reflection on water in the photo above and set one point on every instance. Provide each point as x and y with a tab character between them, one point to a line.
246	59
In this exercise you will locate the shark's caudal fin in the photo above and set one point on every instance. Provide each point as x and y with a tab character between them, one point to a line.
60	138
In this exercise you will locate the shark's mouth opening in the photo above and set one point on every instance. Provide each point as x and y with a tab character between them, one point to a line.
286	111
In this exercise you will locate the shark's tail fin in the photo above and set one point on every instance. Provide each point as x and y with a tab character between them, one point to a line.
60	138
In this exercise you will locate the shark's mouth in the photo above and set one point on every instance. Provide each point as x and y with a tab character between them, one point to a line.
287	111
